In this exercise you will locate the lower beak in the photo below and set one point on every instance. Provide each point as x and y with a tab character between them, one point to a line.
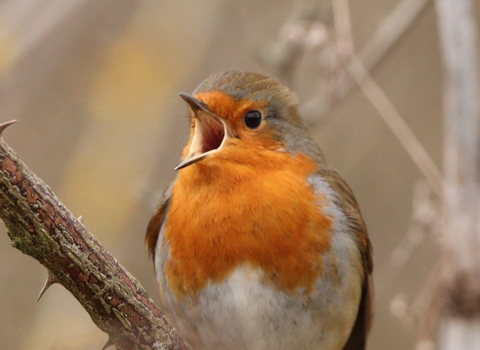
209	135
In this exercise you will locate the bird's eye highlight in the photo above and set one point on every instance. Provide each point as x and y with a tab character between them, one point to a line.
252	119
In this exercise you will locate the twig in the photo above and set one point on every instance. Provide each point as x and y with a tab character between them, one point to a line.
381	102
386	35
40	226
341	18
390	30
283	55
397	125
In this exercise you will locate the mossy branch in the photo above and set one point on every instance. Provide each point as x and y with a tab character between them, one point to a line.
39	225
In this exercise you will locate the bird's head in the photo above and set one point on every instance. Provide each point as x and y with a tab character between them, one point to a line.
238	110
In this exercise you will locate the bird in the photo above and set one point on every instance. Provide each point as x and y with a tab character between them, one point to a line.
259	243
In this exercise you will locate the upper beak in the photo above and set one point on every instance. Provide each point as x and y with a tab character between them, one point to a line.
209	134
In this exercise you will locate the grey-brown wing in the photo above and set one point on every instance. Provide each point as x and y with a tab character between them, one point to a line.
358	337
155	223
348	204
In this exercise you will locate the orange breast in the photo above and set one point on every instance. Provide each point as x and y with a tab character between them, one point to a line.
256	210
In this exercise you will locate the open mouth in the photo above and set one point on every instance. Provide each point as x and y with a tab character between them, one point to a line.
212	134
209	134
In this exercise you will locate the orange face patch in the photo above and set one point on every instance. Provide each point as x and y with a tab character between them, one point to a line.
233	112
226	107
247	206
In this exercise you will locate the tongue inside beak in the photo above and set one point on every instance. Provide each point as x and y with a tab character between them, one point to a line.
209	134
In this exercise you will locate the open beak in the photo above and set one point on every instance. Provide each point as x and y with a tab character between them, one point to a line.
209	134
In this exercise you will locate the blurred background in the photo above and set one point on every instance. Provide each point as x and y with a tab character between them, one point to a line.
94	87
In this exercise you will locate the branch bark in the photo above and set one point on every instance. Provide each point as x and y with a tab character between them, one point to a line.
39	225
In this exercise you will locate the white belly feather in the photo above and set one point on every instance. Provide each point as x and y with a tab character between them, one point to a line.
243	313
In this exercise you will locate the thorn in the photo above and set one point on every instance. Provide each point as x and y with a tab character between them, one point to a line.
51	279
108	343
80	218
3	126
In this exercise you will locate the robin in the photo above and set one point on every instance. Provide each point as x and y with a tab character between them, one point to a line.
259	243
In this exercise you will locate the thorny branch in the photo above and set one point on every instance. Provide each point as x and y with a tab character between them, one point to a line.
39	225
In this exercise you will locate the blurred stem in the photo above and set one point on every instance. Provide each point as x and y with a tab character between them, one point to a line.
39	225
460	326
396	123
384	38
284	54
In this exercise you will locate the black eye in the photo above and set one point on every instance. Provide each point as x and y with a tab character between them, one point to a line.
253	119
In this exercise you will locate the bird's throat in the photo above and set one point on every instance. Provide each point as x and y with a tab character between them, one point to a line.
263	214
